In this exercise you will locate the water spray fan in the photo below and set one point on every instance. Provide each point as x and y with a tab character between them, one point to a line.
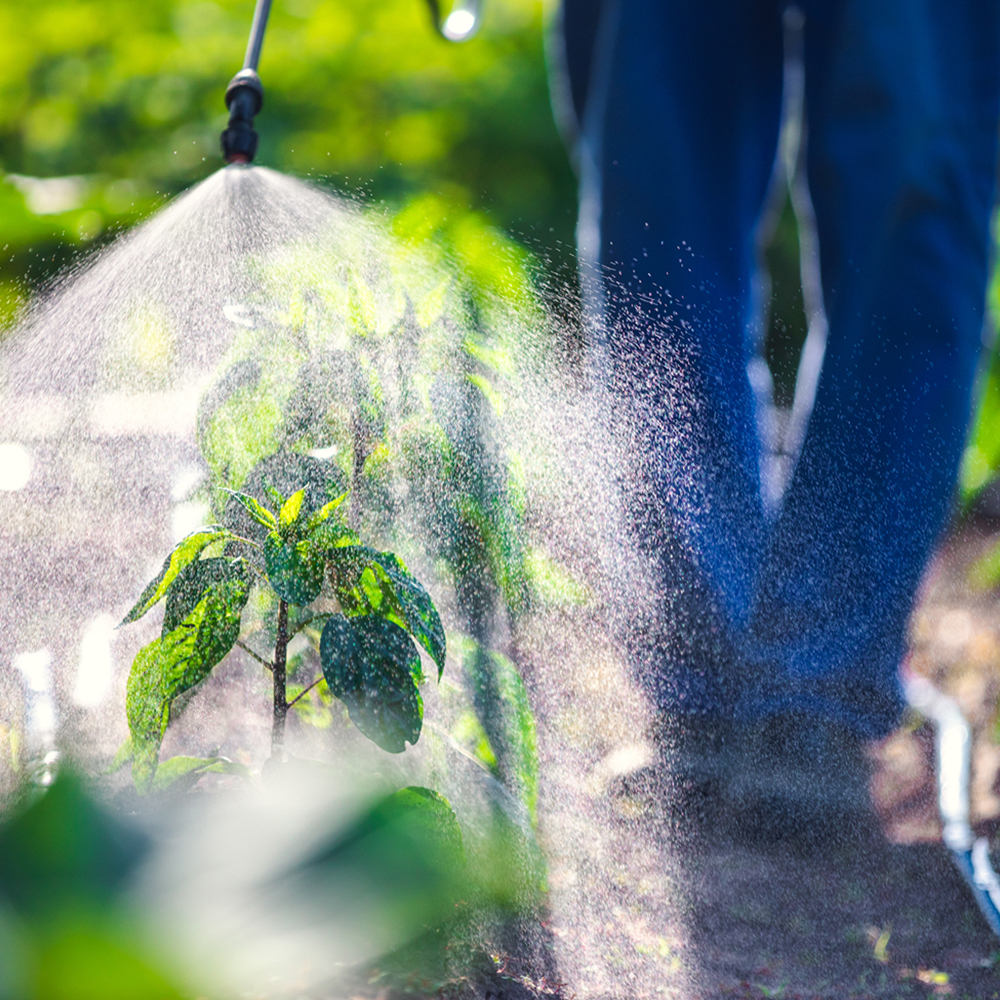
245	93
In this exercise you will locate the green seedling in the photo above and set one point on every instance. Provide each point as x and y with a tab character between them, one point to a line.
312	569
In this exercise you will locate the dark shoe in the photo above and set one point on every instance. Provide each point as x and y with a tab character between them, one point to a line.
798	781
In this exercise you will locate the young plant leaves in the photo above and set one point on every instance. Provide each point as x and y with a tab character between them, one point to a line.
372	666
294	569
255	509
186	552
147	709
201	625
319	516
203	633
289	512
368	582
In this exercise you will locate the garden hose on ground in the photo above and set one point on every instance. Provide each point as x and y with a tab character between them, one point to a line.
953	745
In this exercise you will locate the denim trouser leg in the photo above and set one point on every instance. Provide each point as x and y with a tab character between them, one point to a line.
680	112
681	124
902	105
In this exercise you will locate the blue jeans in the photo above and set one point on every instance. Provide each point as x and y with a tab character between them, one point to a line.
679	106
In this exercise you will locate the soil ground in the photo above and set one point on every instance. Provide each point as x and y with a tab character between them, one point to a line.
640	910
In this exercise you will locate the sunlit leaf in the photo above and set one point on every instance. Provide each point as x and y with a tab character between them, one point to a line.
147	709
331	535
186	552
320	516
84	959
255	509
372	666
207	632
204	624
280	475
289	512
223	576
188	769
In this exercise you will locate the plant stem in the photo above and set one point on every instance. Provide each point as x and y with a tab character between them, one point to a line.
258	658
306	691
280	701
357	470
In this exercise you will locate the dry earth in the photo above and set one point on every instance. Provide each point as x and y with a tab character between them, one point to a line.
641	909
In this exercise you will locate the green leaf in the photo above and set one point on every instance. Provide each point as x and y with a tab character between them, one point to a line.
189	769
318	517
207	632
368	582
289	512
147	709
274	495
93	958
62	853
331	535
399	867
220	575
278	476
372	666
421	618
186	552
123	755
204	623
255	509
510	723
295	569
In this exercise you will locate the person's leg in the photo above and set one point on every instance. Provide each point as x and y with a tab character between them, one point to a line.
902	107
680	119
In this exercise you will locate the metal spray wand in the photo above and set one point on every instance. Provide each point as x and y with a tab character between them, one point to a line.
245	95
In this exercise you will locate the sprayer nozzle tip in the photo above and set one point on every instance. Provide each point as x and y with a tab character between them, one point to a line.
239	142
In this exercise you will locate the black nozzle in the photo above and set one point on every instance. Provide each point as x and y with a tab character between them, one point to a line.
244	98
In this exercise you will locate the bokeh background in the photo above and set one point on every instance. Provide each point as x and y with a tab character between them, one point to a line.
109	107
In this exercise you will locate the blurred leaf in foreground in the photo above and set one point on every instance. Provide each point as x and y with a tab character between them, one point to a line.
64	852
63	863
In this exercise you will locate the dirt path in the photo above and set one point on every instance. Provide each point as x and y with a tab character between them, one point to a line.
641	910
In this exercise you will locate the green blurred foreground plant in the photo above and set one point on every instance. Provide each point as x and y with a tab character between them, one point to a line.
398	873
366	652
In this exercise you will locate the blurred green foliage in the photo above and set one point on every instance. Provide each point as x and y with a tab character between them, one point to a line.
65	932
123	103
400	871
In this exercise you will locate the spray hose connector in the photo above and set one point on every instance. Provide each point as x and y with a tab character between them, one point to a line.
244	98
